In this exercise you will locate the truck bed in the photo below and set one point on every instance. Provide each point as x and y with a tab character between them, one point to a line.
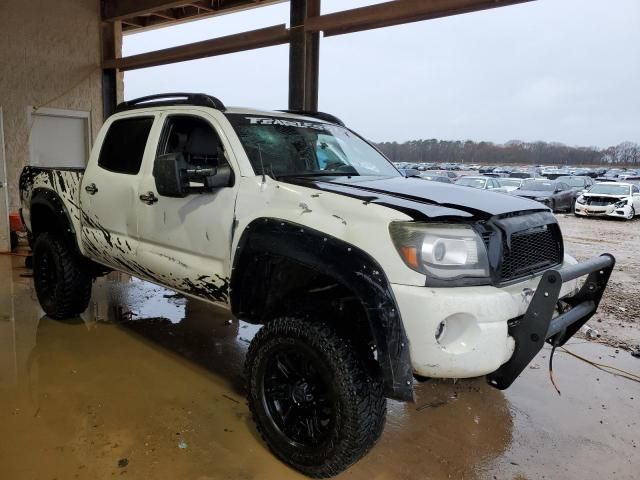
65	182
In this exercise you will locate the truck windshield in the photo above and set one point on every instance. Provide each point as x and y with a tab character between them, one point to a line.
280	147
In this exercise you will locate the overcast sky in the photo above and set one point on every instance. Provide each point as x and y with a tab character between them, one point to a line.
553	70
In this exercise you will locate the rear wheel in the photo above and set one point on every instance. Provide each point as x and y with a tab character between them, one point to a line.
62	281
317	404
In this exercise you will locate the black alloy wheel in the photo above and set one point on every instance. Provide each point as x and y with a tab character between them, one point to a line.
317	402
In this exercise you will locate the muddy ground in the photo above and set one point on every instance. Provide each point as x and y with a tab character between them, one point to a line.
618	318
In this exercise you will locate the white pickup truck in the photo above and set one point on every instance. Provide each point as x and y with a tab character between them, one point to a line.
363	279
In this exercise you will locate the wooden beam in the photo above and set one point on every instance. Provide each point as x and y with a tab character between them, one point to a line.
112	81
396	12
304	57
163	15
123	9
200	6
264	37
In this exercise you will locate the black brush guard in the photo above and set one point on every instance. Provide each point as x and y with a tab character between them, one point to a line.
538	325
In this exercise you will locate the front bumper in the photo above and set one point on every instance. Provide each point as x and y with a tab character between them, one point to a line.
473	331
602	211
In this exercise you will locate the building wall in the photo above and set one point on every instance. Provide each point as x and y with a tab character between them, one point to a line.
50	55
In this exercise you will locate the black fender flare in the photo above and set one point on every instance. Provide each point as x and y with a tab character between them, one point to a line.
61	218
348	265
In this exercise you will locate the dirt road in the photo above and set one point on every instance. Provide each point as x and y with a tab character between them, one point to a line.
618	318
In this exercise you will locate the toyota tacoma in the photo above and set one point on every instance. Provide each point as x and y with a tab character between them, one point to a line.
362	278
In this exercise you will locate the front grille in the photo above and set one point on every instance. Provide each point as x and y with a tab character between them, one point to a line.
531	251
601	201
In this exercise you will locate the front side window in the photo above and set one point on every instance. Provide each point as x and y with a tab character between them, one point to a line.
194	137
123	146
281	147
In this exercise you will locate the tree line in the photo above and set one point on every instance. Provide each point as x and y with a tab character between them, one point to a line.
512	152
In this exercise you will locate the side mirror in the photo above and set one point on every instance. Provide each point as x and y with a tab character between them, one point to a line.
176	177
167	170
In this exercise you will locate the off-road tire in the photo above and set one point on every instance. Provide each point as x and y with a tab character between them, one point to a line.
62	281
355	388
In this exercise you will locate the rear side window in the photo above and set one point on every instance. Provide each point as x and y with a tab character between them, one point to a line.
124	144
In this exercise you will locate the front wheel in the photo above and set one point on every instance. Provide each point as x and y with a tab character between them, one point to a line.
62	281
318	406
632	214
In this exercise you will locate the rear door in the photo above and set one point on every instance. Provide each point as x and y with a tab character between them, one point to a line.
186	242
109	192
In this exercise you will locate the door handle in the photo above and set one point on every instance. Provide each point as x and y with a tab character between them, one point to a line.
91	189
149	198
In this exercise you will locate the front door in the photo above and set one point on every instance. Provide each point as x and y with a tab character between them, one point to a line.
186	242
5	242
109	194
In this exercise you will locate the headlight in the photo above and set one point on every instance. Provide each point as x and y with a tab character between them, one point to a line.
580	199
542	199
441	251
621	203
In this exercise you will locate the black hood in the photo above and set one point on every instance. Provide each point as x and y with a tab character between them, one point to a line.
419	198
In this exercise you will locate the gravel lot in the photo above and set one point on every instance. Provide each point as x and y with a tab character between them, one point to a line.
618	318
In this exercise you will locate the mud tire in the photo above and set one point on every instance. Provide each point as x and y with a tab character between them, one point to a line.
62	281
355	390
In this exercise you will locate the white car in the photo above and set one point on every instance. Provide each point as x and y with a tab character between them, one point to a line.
612	199
482	183
510	184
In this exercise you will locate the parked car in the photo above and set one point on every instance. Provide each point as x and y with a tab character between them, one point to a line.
510	184
409	172
521	174
612	199
555	195
446	173
482	183
485	169
292	221
578	184
474	166
435	178
629	175
552	174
